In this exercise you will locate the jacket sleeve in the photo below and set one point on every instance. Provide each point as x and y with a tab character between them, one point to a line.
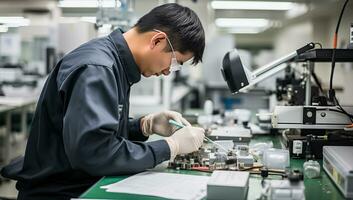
89	124
135	132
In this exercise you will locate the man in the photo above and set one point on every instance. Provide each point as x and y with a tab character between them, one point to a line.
81	130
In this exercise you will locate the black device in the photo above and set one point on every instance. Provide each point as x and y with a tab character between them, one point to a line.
291	88
233	71
311	144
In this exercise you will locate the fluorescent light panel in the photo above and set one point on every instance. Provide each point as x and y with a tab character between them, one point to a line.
88	3
71	20
89	19
246	30
242	22
252	5
14	21
3	29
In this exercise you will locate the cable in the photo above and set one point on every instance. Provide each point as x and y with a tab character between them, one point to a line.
318	43
270	173
331	91
201	170
343	110
250	168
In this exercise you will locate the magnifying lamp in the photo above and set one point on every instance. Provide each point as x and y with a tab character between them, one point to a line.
239	78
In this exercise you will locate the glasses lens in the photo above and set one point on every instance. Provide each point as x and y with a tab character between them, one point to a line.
174	66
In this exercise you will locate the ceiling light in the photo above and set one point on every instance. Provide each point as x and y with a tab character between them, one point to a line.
89	19
298	9
242	22
252	5
3	29
14	21
246	30
88	3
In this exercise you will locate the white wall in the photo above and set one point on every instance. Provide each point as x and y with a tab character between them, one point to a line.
213	58
206	16
72	35
291	38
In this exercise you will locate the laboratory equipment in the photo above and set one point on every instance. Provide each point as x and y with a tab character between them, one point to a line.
338	164
225	185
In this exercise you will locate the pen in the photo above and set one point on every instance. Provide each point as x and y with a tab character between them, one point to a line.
175	123
179	125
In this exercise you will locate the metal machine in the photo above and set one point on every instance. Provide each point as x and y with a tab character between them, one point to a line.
311	120
338	164
308	116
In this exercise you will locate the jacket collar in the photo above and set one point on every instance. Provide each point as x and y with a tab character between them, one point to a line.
130	67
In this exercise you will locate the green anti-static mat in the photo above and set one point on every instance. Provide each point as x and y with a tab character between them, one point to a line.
315	189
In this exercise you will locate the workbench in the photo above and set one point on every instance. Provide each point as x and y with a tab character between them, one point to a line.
315	189
8	106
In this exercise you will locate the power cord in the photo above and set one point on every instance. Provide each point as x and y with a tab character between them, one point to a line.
332	95
333	61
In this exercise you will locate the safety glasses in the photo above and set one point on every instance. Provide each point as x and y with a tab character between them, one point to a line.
174	65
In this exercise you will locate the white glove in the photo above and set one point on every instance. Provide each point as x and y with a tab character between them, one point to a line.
185	140
159	123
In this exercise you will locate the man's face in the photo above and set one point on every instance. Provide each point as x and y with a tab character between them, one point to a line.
157	61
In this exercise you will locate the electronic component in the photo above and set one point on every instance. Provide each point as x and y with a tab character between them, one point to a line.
243	150
311	169
338	164
228	185
297	147
207	158
291	188
238	134
295	176
291	89
276	158
245	161
313	148
310	117
243	157
286	190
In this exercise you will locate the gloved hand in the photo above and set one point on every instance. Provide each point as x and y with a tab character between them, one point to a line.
159	123
185	140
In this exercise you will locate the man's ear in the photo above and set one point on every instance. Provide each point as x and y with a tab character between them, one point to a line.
157	39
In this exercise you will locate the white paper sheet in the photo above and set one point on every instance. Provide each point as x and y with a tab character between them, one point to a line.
166	185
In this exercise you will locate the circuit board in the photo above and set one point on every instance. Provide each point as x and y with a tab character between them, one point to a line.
210	157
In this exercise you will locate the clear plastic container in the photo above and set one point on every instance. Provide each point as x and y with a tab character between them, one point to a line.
311	169
276	158
259	148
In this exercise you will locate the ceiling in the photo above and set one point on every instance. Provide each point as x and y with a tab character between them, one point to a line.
315	9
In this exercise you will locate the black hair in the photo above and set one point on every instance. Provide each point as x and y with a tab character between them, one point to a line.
182	26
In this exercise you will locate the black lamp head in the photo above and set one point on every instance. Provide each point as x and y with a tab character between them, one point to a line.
233	71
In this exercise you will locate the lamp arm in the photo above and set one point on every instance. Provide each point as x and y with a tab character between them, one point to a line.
282	60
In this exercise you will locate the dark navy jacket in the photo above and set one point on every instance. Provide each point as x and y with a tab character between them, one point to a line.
81	129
